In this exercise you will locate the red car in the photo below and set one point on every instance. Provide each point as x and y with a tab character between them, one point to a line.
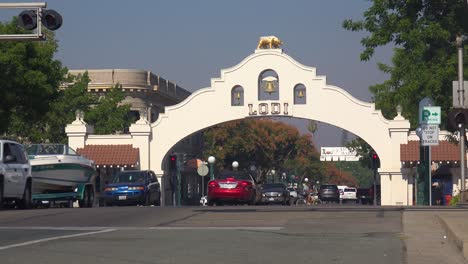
232	187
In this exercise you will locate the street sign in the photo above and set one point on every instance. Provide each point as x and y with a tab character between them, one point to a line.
426	101
431	115
203	170
430	135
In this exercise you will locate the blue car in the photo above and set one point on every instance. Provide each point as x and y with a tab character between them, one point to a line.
133	187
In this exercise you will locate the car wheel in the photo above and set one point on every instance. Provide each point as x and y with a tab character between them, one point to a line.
148	199
26	201
85	201
210	203
1	191
90	198
158	201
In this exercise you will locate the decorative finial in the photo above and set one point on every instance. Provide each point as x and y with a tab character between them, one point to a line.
269	42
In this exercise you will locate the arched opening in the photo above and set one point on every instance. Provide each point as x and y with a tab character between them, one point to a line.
300	94
237	96
268	85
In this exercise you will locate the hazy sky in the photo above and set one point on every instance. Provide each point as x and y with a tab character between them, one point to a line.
189	42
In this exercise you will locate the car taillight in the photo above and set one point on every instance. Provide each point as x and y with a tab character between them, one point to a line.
212	184
245	184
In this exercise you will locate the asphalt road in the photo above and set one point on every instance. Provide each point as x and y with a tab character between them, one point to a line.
238	234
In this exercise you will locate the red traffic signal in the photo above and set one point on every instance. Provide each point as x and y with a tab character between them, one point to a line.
375	161
173	163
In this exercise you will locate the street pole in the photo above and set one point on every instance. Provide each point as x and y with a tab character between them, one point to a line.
461	90
430	176
462	160
178	183
375	186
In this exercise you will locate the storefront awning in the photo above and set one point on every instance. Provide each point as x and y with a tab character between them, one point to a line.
111	155
445	152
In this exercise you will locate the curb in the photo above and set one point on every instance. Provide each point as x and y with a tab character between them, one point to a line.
454	238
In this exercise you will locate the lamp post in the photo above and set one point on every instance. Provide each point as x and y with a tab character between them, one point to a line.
283	177
235	165
211	161
273	175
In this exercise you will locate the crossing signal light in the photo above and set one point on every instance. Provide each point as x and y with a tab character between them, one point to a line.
51	19
27	19
173	163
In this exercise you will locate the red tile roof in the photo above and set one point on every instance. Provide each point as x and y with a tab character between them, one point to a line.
111	154
445	151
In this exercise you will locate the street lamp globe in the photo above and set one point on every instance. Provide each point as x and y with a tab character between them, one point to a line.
235	165
306	179
211	159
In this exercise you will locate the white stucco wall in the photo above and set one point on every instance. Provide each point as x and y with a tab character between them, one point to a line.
325	103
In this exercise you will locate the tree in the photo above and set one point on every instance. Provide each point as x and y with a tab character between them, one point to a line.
63	108
105	114
268	144
424	61
109	115
29	78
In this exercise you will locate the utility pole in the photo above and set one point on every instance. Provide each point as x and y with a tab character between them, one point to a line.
461	98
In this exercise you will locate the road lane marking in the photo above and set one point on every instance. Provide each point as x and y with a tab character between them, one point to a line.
256	228
116	228
54	238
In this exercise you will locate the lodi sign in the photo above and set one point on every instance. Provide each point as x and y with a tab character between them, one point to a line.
268	109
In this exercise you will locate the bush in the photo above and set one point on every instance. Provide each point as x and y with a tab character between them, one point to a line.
455	200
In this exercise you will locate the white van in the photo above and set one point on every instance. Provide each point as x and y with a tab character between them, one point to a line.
15	174
341	189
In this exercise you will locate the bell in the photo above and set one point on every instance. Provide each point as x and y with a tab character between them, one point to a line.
238	95
270	87
300	94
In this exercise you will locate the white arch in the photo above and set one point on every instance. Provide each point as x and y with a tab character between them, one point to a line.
325	103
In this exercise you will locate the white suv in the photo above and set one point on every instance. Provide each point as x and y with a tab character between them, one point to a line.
15	174
349	194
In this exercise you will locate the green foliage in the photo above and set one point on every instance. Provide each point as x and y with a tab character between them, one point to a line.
108	116
105	113
63	108
267	144
455	200
425	58
29	77
363	175
363	150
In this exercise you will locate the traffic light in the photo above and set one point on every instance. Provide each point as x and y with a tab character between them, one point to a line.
457	117
51	19
172	163
375	161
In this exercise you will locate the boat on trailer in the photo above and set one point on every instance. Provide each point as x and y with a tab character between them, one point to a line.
58	168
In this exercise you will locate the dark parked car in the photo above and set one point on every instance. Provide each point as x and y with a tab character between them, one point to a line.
133	187
232	187
329	192
364	196
275	193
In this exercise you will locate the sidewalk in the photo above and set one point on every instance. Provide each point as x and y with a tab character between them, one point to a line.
455	224
425	240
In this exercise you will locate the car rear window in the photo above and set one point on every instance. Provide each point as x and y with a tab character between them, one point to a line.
350	190
329	187
235	175
274	186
